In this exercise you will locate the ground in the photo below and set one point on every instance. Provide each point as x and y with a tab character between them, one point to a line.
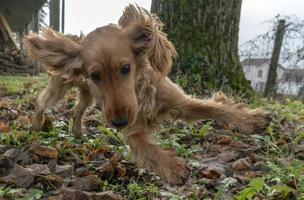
223	164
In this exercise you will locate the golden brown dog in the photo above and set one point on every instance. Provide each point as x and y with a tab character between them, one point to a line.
124	68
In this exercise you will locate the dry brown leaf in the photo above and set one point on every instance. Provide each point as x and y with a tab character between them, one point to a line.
105	170
70	193
20	176
115	158
228	156
5	104
57	197
4	127
64	170
44	151
38	169
210	172
239	145
95	153
297	148
240	164
224	140
86	183
6	164
55	179
253	174
121	170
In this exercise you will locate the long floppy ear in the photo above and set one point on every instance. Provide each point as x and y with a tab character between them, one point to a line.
147	38
59	54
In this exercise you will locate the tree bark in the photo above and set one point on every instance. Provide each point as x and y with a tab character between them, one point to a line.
55	14
270	88
205	34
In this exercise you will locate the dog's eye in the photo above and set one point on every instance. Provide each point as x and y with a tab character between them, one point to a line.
95	77
125	69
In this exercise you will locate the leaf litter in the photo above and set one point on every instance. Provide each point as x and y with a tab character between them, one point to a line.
52	164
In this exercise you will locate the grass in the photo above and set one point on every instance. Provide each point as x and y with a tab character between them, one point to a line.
284	180
16	83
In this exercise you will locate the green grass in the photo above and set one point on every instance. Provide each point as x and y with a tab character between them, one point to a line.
16	83
288	121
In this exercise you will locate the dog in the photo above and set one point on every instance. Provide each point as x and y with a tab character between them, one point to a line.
123	67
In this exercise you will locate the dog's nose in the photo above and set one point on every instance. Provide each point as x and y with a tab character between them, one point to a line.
120	122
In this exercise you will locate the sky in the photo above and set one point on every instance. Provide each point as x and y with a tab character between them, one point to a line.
86	15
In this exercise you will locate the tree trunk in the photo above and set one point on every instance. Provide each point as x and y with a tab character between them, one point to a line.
205	34
55	14
62	15
270	87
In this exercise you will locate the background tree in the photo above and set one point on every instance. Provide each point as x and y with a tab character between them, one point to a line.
292	52
205	34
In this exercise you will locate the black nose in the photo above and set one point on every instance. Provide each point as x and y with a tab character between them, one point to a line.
120	122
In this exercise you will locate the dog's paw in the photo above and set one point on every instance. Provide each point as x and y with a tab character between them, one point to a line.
79	131
174	171
254	120
38	121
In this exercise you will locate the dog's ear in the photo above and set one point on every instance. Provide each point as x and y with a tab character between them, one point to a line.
59	54
147	38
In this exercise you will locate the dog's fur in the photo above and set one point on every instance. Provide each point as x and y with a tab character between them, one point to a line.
145	95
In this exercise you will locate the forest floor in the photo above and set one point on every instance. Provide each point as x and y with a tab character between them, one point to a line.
52	164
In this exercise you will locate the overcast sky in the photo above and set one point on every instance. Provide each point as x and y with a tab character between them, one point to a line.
87	15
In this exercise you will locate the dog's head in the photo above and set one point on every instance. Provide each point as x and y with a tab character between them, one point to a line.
110	58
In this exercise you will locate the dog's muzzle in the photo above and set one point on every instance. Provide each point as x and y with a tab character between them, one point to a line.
120	122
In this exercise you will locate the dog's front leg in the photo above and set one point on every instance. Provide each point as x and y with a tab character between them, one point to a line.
54	91
171	168
85	99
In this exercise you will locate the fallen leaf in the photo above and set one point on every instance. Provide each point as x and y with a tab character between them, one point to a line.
20	176
224	140
214	169
12	153
239	145
209	172
297	148
253	174
260	166
105	170
4	148
121	170
240	164
300	156
228	156
38	169
57	197
5	104
4	127
64	170
70	193
44	151
115	158
87	183
96	153
6	164
55	179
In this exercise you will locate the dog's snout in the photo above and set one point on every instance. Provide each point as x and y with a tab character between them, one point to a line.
120	122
